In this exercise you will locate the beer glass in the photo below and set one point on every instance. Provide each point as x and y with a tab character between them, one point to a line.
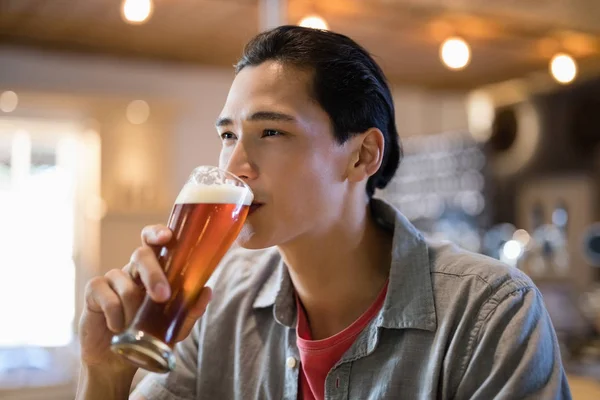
206	219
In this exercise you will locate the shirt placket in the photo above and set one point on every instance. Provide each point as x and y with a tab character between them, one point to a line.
292	367
337	383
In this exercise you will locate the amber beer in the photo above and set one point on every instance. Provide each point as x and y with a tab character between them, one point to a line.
205	220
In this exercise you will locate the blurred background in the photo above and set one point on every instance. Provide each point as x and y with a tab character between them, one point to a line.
106	106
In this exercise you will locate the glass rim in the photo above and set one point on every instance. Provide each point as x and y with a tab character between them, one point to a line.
222	171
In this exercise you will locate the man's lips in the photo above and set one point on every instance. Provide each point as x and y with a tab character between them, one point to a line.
254	206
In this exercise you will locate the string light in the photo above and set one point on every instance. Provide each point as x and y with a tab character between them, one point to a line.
136	11
455	53
563	68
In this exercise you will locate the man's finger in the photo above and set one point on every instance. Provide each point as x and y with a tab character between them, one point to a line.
151	274
156	235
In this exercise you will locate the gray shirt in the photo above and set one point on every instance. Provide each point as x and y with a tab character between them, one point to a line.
454	325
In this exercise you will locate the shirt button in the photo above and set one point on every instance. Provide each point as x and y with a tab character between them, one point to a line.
290	362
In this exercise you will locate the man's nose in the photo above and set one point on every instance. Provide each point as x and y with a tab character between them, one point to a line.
238	163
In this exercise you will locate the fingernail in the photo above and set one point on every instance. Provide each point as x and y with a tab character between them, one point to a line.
162	291
163	233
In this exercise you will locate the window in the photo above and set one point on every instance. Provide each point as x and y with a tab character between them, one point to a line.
40	192
38	274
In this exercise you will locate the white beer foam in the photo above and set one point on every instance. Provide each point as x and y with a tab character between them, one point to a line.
193	193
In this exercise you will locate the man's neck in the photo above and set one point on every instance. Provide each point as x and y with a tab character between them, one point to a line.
339	274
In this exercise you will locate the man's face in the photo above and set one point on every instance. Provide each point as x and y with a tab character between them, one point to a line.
280	142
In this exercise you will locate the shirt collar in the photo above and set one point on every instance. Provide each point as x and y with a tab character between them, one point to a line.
409	301
278	291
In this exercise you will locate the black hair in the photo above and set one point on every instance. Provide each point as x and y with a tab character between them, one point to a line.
347	83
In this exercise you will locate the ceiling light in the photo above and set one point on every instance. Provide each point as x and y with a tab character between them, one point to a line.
563	68
313	21
455	53
136	11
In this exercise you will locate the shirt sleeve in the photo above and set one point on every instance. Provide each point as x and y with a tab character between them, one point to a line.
179	384
514	352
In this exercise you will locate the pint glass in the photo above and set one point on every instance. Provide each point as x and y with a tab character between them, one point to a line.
206	219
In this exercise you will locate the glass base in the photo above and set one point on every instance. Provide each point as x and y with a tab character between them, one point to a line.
144	351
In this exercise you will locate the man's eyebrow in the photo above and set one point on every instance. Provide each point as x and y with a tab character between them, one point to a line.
224	121
270	116
259	116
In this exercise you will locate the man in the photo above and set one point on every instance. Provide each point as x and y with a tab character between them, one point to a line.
346	299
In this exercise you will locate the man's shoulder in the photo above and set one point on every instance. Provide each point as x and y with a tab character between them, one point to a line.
452	266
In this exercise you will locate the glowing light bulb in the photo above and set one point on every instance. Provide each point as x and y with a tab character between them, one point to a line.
455	53
136	11
480	115
563	68
138	112
313	21
522	236
512	249
8	101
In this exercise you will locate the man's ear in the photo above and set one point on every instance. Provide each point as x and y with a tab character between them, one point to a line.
367	154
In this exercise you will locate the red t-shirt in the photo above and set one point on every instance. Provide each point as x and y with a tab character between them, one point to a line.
317	357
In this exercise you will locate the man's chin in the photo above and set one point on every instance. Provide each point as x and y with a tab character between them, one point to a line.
252	246
248	239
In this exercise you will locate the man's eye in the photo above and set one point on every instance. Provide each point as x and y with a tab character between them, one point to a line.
227	136
271	132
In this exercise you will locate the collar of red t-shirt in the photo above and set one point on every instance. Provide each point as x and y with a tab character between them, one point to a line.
318	357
